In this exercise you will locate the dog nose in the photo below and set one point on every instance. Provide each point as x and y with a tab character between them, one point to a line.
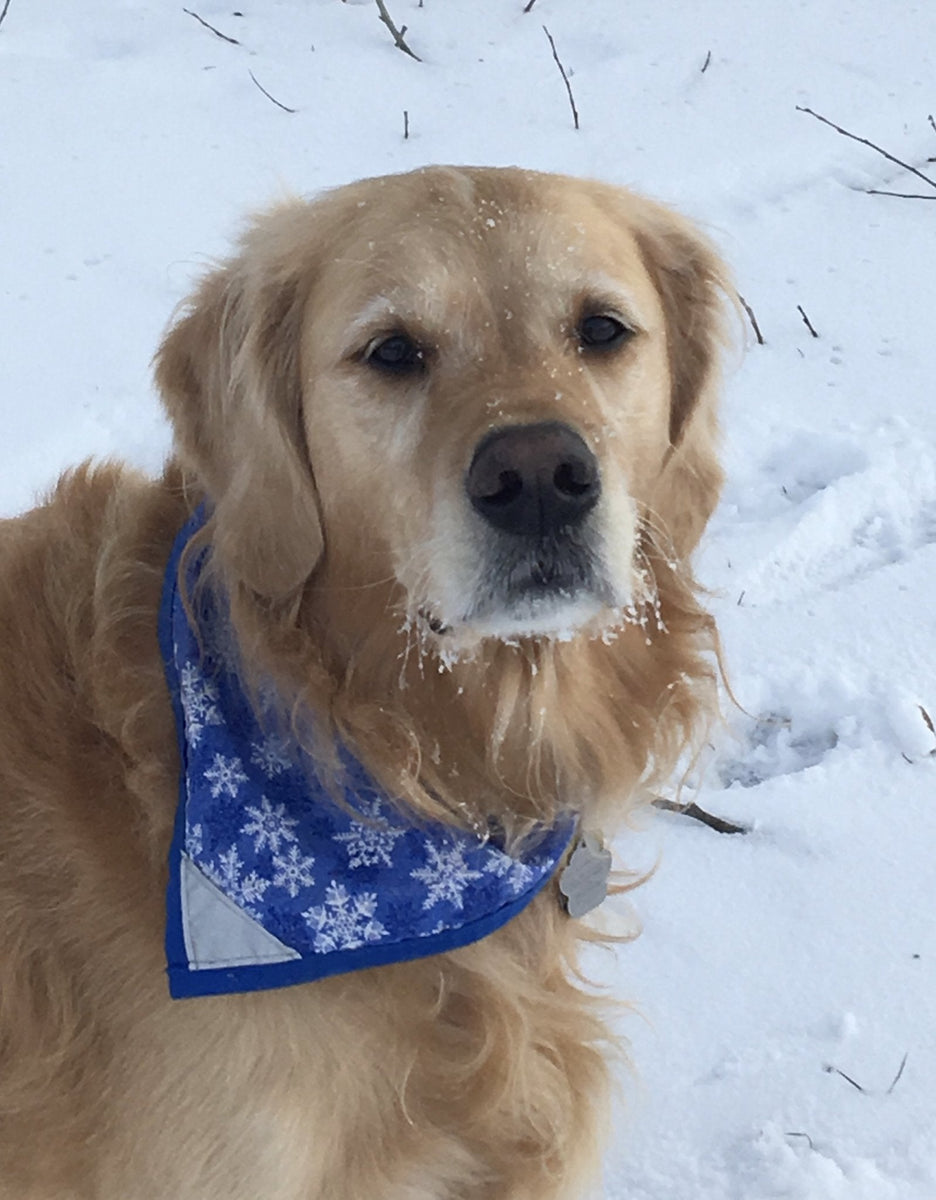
533	479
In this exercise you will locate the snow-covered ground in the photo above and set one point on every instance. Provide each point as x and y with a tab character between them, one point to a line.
772	965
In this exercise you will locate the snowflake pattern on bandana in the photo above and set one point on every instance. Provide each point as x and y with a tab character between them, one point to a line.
340	887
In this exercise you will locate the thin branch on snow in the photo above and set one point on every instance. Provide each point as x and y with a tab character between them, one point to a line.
901	195
267	94
217	32
565	78
405	125
808	323
7	5
397	33
831	1070
929	118
529	7
864	141
900	1071
719	824
708	59
754	325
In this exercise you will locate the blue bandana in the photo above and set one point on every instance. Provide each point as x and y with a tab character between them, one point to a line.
270	882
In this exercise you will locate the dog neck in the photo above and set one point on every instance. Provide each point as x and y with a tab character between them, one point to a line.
282	872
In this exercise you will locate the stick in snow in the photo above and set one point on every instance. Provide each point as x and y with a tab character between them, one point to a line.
565	77
864	141
7	5
754	325
529	7
902	195
831	1070
217	32
708	59
719	824
267	94
397	33
809	324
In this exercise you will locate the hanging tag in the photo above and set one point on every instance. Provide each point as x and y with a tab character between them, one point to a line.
584	880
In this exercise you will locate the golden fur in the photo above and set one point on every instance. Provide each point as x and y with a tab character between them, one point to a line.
341	534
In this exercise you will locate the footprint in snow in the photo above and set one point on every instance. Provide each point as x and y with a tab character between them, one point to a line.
832	512
826	718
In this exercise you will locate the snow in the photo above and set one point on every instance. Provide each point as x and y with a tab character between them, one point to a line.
772	964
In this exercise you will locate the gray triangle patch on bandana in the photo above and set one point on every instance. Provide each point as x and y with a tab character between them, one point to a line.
217	932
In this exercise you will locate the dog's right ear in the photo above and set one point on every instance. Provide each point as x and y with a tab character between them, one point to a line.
229	373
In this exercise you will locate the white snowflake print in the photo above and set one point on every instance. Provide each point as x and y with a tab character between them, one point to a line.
446	874
519	875
293	871
344	922
193	841
225	775
370	844
199	702
270	826
226	874
271	755
252	888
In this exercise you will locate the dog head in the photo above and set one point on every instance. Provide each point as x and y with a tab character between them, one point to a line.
485	389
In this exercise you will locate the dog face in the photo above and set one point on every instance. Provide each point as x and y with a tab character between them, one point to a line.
484	385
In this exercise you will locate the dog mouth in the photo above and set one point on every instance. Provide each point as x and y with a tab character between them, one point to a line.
550	588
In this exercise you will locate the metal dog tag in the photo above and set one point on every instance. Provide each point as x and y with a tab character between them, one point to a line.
584	880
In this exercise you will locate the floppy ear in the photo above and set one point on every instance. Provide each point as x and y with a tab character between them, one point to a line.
693	286
229	373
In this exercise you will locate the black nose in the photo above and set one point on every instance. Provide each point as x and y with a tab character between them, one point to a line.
533	479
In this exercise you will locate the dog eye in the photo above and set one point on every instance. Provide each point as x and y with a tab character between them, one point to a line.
602	332
397	353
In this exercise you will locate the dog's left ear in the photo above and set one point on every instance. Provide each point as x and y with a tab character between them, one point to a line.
694	289
230	377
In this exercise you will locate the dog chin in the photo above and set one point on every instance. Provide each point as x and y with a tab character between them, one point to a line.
548	617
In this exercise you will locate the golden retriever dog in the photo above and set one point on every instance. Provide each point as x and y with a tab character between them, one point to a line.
454	437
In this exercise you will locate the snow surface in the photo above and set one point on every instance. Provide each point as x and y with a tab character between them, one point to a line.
133	140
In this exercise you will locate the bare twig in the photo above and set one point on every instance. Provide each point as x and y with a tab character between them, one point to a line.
831	1070
900	1071
719	824
754	325
7	5
397	33
529	7
267	94
405	125
217	32
901	195
932	122
808	323
565	77
793	1133
864	141
708	59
